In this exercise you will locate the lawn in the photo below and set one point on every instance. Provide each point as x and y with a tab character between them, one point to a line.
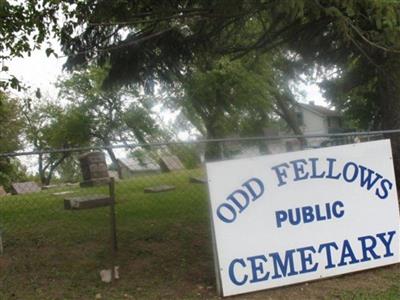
164	249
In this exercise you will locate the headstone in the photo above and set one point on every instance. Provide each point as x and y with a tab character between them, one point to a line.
18	188
2	191
94	169
133	166
159	189
86	202
171	163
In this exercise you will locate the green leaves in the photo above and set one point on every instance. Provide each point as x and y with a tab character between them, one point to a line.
10	124
220	97
113	112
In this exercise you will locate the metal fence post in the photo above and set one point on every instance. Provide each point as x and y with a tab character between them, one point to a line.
221	150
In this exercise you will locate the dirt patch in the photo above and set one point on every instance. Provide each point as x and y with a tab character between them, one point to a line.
374	280
4	263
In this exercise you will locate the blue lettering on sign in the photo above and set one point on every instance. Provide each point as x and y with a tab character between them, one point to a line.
232	274
280	267
306	257
313	168
258	268
299	170
240	199
328	252
308	214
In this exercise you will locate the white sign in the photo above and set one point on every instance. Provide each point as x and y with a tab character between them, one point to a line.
299	216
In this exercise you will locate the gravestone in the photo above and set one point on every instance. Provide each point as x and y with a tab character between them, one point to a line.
2	191
87	202
159	189
170	163
18	188
94	169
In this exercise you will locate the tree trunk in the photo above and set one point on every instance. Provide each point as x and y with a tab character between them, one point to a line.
114	160
213	149
52	166
282	102
42	174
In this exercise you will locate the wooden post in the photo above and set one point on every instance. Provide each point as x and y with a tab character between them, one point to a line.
114	246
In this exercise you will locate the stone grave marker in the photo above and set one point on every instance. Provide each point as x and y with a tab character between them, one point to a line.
159	189
18	188
170	163
87	202
94	169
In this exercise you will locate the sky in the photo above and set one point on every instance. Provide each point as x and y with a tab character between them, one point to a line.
38	71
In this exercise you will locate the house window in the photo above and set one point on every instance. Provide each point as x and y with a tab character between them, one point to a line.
334	122
299	118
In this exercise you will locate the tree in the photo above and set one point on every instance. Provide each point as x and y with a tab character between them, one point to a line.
11	127
361	44
148	40
10	124
51	127
115	114
221	98
69	170
164	38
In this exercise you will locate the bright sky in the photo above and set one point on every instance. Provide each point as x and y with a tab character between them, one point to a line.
38	71
313	93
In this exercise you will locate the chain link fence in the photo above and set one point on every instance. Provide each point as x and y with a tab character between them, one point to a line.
163	234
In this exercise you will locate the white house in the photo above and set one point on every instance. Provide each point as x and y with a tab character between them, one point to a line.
312	120
315	119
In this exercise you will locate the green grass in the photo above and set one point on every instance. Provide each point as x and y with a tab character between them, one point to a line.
164	248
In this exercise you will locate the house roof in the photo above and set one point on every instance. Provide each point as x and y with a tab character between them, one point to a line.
320	110
135	165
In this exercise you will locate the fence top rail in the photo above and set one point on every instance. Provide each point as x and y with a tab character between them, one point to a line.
202	141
